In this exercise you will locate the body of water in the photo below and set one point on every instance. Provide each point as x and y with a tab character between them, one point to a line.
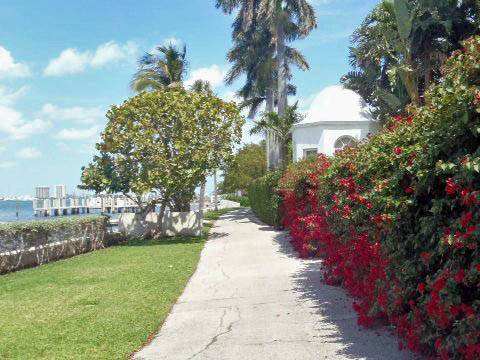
9	208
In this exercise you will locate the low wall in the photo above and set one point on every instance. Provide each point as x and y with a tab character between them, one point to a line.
174	224
38	242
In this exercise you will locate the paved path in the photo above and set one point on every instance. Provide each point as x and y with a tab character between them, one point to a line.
252	298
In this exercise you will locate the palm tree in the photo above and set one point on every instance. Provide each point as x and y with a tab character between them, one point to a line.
253	54
167	68
279	126
289	20
201	86
286	20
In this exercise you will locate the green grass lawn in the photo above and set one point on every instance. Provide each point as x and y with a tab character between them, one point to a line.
100	305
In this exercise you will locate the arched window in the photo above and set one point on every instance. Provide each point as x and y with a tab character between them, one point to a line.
344	142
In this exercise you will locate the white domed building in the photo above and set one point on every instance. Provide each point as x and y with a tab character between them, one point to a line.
337	118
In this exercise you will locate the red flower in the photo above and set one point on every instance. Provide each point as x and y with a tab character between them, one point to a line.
466	219
421	288
460	276
409	190
398	150
477	267
450	188
370	206
426	256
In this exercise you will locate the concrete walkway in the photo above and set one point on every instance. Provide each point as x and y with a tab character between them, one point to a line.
252	298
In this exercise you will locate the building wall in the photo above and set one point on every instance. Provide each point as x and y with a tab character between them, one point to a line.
322	136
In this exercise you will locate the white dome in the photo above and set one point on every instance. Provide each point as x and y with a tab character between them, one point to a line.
335	103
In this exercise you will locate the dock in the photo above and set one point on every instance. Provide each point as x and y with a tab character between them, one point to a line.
81	205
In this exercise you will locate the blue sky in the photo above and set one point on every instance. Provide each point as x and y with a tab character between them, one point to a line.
63	63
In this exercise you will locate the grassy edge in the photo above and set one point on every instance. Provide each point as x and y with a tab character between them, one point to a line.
211	217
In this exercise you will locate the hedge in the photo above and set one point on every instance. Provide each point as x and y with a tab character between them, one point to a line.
397	218
33	243
264	198
242	200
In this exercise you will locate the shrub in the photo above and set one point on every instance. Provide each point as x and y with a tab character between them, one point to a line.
264	198
242	200
396	218
36	242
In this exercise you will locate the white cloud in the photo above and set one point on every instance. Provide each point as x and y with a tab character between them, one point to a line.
85	148
28	153
165	42
113	52
214	74
172	40
8	99
72	61
229	96
7	164
79	134
16	128
85	115
9	68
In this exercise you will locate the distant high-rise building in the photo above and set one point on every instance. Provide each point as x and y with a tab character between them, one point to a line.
42	192
60	192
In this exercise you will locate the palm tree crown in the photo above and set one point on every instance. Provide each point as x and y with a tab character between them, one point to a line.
158	70
279	125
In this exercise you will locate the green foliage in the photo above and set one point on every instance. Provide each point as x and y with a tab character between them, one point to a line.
400	47
242	200
249	163
157	71
50	240
279	128
264	198
165	142
28	234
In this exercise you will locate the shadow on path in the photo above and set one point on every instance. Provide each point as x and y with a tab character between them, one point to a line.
335	307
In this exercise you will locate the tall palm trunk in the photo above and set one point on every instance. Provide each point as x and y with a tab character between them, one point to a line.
269	107
282	92
282	76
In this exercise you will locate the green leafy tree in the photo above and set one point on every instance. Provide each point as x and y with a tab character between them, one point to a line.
249	164
167	67
157	142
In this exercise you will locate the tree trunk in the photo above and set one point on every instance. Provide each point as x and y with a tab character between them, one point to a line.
159	228
269	107
201	201
282	76
215	189
282	90
181	202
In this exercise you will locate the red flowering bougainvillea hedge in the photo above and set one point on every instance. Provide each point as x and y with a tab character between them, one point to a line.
397	218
